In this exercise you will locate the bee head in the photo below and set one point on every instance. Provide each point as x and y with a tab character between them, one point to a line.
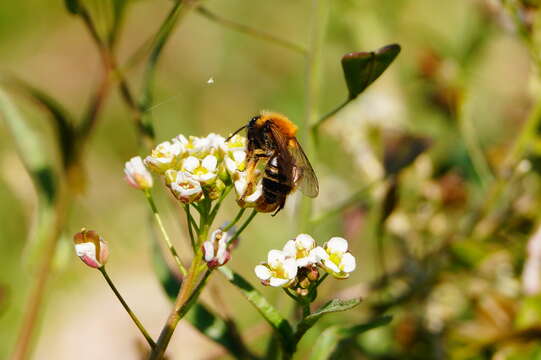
253	121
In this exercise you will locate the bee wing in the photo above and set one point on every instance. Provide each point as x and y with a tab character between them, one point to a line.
303	173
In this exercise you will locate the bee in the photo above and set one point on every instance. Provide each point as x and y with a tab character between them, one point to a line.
272	145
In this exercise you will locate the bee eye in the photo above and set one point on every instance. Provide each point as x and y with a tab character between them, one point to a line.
254	119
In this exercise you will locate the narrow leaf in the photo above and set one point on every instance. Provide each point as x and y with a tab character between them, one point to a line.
30	149
72	6
334	305
271	315
363	68
208	323
62	120
332	336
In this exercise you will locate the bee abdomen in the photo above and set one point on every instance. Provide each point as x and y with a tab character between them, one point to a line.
274	191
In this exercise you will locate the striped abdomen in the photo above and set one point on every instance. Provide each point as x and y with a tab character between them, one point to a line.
276	184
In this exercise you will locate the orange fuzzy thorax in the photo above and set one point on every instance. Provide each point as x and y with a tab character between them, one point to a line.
283	123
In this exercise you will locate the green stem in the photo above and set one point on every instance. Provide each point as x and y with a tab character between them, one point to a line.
321	279
254	32
319	13
288	293
185	299
244	225
190	222
164	232
127	308
235	220
214	211
468	133
315	127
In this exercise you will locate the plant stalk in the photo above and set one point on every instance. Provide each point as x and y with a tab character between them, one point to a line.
127	308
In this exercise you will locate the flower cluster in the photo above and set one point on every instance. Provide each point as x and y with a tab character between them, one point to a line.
296	265
196	167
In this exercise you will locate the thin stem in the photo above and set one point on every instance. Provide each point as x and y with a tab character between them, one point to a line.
32	309
315	127
184	300
473	147
172	249
254	32
214	211
235	220
290	295
319	13
189	223
321	279
127	308
305	309
244	225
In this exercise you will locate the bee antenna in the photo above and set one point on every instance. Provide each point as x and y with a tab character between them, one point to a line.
235	133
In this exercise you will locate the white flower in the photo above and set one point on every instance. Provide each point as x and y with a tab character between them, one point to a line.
183	186
204	170
165	156
300	249
216	249
278	271
245	198
201	146
335	258
91	248
236	143
235	161
182	141
137	174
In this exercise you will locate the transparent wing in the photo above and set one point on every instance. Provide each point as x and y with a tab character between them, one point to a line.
304	177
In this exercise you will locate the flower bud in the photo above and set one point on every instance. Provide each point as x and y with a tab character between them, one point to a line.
91	248
313	274
216	251
137	174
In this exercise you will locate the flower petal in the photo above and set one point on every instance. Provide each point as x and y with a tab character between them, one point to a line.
318	254
208	250
305	241
209	163
337	245
190	163
290	268
290	249
278	282
263	272
348	263
275	258
331	266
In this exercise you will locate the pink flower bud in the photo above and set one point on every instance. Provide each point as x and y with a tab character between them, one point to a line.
217	250
91	248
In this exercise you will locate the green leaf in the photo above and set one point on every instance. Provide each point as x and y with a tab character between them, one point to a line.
334	305
271	315
332	336
30	149
62	120
208	323
72	6
363	68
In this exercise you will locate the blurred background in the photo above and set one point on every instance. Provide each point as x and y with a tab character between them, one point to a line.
432	173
